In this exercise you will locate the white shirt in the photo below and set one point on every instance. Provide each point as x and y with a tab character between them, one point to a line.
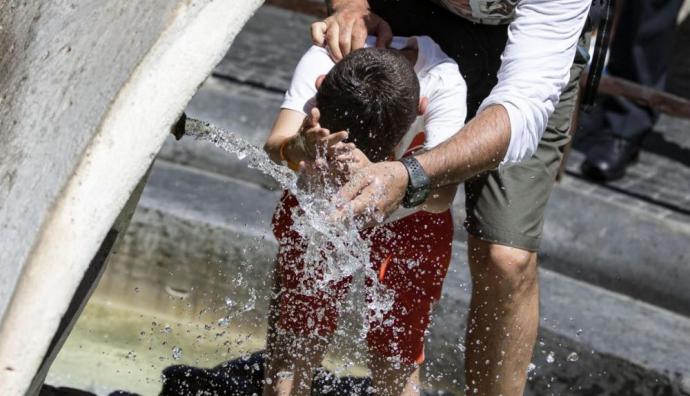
535	64
535	67
439	81
542	39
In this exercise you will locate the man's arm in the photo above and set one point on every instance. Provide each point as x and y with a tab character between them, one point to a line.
507	129
535	67
481	144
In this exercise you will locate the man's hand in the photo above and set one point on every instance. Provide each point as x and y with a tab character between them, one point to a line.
346	30
373	193
346	159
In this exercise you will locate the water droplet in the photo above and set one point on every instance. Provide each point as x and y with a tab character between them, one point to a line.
176	352
573	357
531	367
551	357
223	322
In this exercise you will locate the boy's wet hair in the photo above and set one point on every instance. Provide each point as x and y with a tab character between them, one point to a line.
373	93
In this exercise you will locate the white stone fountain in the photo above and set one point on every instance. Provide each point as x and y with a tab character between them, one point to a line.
88	92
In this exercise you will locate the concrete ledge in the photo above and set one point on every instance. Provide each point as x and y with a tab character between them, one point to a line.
618	246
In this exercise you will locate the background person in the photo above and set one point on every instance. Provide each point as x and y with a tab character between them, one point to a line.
640	52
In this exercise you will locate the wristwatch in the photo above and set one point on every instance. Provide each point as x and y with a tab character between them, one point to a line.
418	185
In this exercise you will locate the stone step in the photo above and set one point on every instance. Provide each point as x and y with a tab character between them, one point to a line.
592	233
268	60
624	346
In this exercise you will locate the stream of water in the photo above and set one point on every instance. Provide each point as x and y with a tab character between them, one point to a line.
334	249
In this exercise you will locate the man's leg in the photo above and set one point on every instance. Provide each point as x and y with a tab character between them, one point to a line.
503	319
505	211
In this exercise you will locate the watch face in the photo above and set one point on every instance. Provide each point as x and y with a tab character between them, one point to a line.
418	197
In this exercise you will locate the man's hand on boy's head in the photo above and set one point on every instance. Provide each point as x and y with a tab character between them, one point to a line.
316	141
346	30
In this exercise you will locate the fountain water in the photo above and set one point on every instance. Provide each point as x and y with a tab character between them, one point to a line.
335	249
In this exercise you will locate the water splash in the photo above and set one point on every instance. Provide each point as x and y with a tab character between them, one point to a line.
550	357
335	248
176	353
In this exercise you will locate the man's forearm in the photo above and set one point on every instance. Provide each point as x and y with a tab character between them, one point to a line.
479	146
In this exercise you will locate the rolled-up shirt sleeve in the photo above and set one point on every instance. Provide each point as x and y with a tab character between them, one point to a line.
535	67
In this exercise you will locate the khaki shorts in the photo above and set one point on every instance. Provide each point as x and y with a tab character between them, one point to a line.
503	206
507	206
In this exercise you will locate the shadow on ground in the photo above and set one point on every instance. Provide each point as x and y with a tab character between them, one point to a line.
239	377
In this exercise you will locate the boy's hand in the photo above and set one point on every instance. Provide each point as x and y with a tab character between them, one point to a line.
316	141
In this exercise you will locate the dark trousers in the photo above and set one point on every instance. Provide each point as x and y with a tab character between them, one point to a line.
640	52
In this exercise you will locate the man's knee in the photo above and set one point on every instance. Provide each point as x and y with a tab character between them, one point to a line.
505	270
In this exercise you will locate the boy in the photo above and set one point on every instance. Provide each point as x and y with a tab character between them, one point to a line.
385	103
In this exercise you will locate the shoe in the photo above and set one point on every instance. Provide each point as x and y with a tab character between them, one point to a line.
608	159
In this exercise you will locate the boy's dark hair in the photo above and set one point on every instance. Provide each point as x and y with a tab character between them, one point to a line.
373	93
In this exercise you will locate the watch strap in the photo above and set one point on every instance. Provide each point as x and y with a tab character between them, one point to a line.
418	184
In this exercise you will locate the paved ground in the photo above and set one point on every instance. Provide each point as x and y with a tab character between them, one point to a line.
660	181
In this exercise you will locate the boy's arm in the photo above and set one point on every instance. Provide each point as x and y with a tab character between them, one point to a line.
294	132
295	138
284	131
440	199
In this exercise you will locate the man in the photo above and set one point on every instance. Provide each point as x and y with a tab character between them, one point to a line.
517	58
